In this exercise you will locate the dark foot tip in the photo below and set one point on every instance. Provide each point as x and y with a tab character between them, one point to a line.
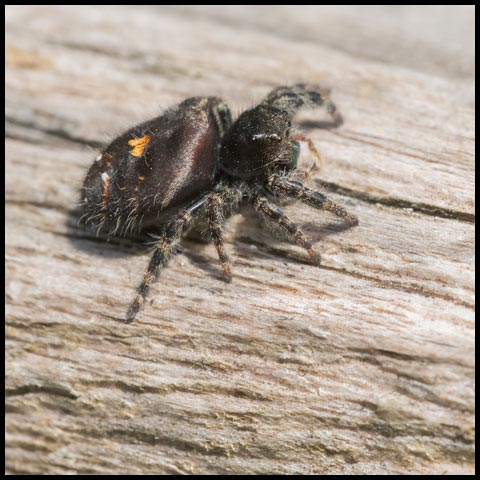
135	307
316	258
132	312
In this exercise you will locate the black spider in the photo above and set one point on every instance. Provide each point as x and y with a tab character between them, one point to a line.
192	165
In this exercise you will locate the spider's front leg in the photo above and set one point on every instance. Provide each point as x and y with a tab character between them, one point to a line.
271	211
163	250
282	186
293	98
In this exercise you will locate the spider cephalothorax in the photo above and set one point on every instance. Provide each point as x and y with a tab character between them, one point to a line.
192	165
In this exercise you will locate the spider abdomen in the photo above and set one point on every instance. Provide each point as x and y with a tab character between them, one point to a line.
154	167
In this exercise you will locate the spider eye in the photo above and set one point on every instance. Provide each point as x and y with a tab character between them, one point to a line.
267	136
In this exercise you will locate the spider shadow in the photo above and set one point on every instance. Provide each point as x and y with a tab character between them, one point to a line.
254	231
192	246
251	230
101	245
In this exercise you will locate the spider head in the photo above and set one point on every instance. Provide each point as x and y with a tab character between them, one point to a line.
258	144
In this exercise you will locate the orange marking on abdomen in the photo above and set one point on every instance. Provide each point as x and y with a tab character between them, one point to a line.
139	145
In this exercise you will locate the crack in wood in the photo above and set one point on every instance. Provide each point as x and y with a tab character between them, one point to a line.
58	390
54	132
418	207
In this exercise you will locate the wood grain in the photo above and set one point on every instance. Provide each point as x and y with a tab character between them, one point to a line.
364	365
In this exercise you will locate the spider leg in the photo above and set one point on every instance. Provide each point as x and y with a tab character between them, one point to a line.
163	250
317	163
269	210
215	212
289	188
291	99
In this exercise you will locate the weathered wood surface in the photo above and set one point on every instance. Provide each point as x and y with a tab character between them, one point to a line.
365	365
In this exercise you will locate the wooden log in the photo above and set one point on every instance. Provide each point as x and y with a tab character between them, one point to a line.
364	365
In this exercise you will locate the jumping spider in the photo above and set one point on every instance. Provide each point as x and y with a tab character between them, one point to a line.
193	165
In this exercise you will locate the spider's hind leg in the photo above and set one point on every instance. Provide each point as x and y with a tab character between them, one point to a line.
163	250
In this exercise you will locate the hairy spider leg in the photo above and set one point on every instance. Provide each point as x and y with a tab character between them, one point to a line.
215	209
214	205
291	99
269	210
163	250
289	188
